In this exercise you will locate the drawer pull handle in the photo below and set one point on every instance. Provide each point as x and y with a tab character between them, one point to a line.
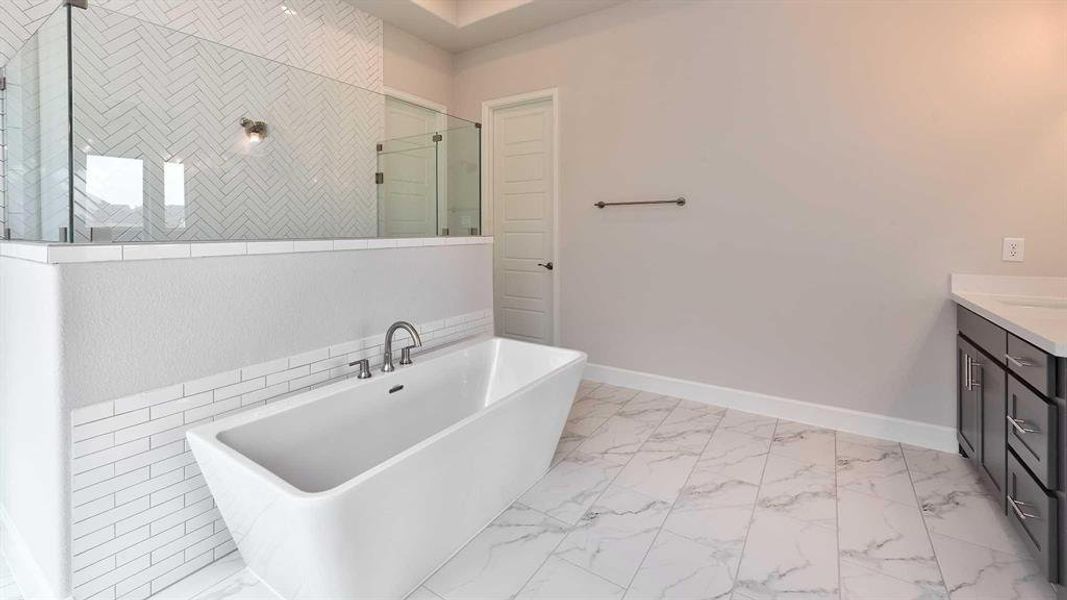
967	372
1019	361
1020	425
1017	507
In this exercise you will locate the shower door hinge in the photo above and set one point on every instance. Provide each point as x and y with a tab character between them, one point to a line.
379	178
438	137
477	125
83	4
379	147
3	83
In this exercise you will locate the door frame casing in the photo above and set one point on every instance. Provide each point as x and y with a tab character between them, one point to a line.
488	108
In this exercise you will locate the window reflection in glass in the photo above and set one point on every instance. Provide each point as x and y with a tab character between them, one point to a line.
174	194
115	187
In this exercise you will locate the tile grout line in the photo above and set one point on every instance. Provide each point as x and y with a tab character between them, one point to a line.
922	516
837	517
755	504
676	498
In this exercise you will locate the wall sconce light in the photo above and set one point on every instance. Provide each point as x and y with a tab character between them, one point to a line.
255	130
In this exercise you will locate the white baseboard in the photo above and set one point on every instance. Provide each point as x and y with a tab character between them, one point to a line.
915	433
27	573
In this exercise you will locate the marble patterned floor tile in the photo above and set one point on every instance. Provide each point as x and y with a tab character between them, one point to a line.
568	489
688	409
558	579
888	538
787	558
500	559
611	393
242	586
977	573
649	407
589	413
712	488
568	443
805	443
750	423
591	410
934	478
612	538
735	454
802	490
678	568
423	594
874	469
685	429
723	528
859	583
954	513
933	469
618	439
585	387
658	474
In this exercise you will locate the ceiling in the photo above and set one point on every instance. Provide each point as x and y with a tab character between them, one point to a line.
458	25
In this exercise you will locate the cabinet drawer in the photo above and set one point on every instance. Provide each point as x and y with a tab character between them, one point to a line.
982	332
1034	512
1031	365
1033	432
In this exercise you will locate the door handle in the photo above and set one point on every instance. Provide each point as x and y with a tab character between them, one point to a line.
1017	506
547	265
1020	425
1020	361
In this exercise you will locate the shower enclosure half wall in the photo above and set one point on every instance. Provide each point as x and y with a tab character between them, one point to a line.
121	130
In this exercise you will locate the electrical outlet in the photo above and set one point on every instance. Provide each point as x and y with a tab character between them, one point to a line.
1014	250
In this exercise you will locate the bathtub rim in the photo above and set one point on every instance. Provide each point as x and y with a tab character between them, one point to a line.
207	434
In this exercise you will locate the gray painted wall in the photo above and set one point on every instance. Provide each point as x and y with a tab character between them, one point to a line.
840	160
135	326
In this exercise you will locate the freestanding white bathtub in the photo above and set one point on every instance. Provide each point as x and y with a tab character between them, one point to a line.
362	488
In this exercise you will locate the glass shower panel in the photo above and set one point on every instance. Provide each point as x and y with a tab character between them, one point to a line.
407	181
172	138
430	184
36	121
160	152
461	213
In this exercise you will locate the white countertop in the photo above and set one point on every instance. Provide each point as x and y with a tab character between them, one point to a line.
1032	308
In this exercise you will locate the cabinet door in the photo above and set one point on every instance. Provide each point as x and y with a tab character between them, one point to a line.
969	405
991	381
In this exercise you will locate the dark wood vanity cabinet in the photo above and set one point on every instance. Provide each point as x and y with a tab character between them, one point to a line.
981	415
1011	421
968	402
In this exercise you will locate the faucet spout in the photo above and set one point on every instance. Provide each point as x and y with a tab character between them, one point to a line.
405	353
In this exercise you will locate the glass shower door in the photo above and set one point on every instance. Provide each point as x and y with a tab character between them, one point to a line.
407	181
36	118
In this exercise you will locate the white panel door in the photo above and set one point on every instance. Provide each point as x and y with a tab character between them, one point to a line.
523	184
407	204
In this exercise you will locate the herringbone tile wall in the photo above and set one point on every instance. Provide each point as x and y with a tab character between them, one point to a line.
166	81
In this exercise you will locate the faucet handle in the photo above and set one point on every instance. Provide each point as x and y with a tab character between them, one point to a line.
405	355
364	368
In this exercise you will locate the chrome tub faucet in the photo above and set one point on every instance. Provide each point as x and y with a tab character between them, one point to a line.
405	353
